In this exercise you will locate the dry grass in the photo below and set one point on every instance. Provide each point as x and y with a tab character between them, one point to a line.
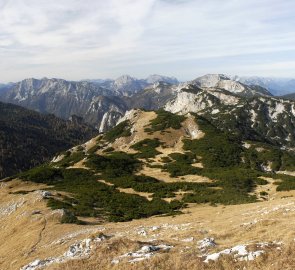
273	259
266	221
26	236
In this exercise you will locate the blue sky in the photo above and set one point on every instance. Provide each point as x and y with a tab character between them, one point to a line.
78	39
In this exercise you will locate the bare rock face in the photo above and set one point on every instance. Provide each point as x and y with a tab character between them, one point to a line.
210	80
109	120
220	81
256	116
65	99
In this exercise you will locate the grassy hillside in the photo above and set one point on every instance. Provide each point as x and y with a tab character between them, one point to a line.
100	186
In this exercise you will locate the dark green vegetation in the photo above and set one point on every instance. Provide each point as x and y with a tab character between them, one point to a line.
92	198
121	130
28	138
181	164
218	149
147	148
70	158
165	120
235	172
239	119
264	154
113	165
285	182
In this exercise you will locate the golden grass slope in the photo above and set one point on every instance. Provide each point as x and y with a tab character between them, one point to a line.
29	231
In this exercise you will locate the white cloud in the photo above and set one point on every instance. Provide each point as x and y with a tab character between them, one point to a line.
96	38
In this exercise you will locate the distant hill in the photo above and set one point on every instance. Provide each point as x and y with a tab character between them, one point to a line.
289	96
277	86
100	102
28	138
65	98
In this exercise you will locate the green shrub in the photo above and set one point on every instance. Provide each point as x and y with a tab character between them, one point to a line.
70	159
114	164
121	130
187	157
166	159
287	183
147	148
94	149
43	174
180	169
109	149
217	148
165	120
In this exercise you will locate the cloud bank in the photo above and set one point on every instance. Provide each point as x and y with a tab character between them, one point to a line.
77	39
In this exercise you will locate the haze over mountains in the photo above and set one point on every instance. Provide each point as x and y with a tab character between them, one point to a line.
277	86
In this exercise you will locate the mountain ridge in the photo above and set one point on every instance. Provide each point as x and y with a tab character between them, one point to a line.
103	107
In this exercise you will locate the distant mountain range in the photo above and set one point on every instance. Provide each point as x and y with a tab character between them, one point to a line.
277	86
28	138
214	141
128	86
102	103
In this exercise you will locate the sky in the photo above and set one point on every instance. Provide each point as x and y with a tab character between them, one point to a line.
92	39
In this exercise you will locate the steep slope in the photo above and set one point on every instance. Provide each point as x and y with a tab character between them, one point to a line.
153	97
63	99
262	117
5	87
100	102
150	166
157	162
28	138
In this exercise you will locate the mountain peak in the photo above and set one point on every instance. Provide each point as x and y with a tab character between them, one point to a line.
124	79
210	80
155	78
